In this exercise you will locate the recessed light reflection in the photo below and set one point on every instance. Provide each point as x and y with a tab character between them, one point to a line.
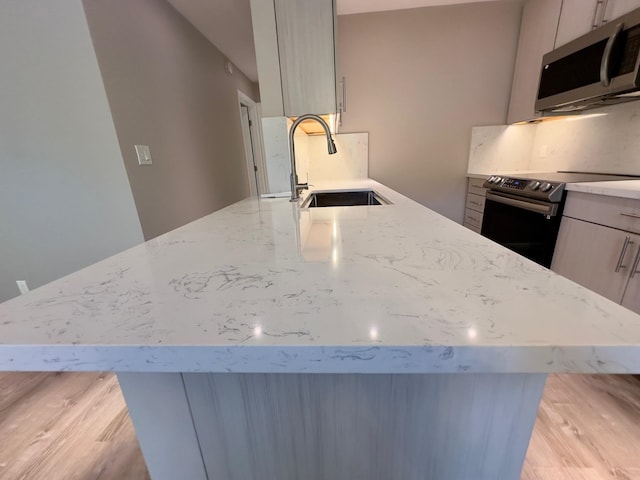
257	331
334	256
373	333
472	333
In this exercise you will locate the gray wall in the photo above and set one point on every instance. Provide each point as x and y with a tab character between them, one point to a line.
417	81
167	88
65	201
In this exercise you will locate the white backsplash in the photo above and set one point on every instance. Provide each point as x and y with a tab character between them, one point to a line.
276	150
350	163
607	142
495	147
313	163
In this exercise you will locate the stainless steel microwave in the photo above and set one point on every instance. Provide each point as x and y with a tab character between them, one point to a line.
597	69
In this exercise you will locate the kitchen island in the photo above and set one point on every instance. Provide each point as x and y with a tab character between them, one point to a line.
273	342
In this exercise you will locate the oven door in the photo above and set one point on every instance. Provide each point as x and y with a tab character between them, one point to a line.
528	227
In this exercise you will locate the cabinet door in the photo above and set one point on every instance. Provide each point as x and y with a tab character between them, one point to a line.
589	254
537	35
265	36
576	18
631	298
616	8
306	44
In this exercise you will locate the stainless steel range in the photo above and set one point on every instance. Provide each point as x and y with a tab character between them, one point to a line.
523	213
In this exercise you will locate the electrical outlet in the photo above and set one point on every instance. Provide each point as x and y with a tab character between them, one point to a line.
144	154
22	286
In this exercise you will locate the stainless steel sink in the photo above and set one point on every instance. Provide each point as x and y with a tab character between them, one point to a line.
344	199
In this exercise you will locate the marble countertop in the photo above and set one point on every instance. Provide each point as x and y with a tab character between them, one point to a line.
263	286
619	188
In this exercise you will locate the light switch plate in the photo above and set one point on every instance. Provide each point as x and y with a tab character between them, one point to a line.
144	154
22	286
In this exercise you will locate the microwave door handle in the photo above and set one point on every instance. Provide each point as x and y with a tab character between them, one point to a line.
605	81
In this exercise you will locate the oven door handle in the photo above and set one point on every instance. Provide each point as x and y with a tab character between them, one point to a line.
549	209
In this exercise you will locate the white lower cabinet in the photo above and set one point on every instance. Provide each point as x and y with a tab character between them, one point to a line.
599	257
474	210
595	256
631	298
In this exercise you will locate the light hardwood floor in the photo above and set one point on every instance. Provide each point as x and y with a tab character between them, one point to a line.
66	426
74	426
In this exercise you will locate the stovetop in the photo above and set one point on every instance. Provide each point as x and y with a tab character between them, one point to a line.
573	177
546	186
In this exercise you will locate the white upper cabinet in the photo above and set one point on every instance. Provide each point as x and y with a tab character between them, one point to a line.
296	57
306	42
577	18
617	8
581	16
537	35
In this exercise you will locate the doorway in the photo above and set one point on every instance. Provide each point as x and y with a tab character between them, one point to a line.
252	141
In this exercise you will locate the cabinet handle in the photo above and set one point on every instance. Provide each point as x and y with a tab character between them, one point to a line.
606	56
632	215
343	100
598	14
625	245
634	269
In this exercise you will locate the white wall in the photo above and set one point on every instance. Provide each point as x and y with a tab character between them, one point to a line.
167	88
65	201
417	81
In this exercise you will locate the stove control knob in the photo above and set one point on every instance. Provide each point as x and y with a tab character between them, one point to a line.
546	187
497	180
491	179
534	185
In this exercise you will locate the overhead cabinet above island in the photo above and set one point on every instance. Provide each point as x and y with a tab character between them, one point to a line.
296	54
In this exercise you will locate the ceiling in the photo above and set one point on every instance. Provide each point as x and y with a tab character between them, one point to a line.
227	23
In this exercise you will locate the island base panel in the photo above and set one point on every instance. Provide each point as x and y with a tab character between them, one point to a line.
336	426
159	410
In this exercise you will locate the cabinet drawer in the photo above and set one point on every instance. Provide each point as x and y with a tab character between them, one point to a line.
472	218
475	186
475	202
471	227
621	213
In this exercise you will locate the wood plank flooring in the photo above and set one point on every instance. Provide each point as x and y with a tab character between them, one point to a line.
66	426
588	428
74	426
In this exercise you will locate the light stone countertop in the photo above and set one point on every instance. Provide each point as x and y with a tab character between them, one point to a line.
619	188
262	286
